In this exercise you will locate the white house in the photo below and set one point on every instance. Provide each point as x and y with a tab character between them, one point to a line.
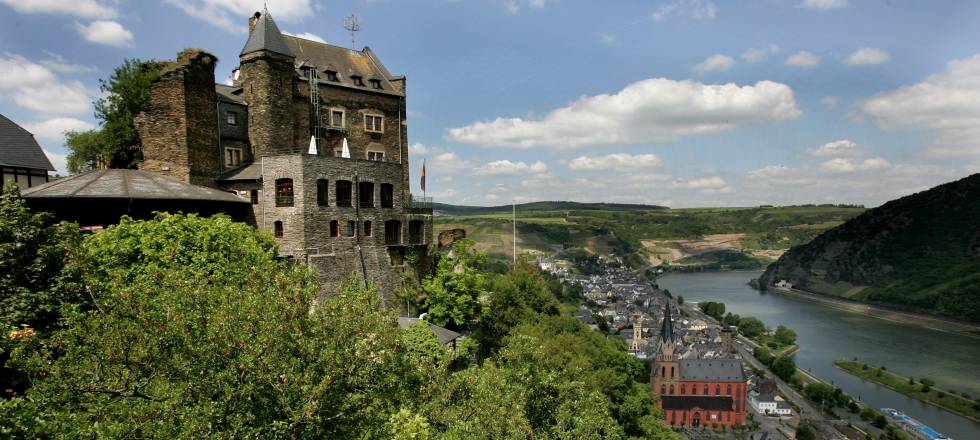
769	404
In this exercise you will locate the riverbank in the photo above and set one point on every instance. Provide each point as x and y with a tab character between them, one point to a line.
945	399
875	311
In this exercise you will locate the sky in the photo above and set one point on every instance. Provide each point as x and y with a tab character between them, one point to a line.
683	103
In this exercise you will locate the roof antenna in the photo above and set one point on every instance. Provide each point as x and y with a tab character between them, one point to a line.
352	24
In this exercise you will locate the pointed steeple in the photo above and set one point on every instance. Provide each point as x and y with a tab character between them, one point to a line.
265	36
667	328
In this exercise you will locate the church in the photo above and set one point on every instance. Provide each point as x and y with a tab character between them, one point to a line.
697	392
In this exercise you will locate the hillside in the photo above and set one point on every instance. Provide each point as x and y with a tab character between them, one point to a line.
446	209
920	252
713	238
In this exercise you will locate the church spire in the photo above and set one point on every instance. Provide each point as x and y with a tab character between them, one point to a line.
265	35
667	328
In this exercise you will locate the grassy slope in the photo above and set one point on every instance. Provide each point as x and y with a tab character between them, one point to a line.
950	401
620	228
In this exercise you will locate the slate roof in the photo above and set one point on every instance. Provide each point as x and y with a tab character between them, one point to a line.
667	327
265	36
723	370
711	403
228	94
252	171
445	335
127	184
19	149
345	62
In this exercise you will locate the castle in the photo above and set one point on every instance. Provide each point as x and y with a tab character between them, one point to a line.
312	135
697	392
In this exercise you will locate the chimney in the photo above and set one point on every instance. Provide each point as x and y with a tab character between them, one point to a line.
252	20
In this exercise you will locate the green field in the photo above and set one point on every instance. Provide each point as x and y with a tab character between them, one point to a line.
953	402
754	236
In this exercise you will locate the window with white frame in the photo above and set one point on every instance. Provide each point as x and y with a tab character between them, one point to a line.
231	117
374	123
233	156
334	118
377	156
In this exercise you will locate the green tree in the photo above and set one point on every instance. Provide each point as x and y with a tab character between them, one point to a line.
785	335
116	143
751	327
516	297
784	367
680	300
452	293
805	432
763	355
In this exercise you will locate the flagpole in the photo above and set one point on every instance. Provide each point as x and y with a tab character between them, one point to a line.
514	206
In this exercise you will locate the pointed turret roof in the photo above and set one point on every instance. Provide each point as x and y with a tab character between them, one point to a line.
265	36
667	328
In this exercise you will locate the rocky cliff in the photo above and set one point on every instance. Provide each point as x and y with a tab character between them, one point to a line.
920	252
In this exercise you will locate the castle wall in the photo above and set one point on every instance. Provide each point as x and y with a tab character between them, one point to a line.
268	88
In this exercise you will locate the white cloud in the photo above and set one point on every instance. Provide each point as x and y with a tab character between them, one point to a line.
714	182
945	102
648	111
830	101
508	168
715	63
307	35
77	8
35	87
803	59
232	15
607	38
841	148
823	5
440	160
844	165
867	56
771	171
696	9
54	129
58	160
107	32
514	6
616	161
58	64
757	54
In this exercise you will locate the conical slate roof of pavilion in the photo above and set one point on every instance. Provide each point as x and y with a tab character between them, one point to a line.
266	36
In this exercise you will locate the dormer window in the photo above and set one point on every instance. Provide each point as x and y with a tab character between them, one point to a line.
376	83
358	81
332	76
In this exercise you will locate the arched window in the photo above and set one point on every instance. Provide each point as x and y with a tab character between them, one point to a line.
415	231
365	194
277	229
663	371
387	195
705	389
694	390
393	232
717	390
683	389
367	228
671	389
284	192
663	389
350	228
334	228
322	192
729	392
343	192
671	372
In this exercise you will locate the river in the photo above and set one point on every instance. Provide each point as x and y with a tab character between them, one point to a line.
825	333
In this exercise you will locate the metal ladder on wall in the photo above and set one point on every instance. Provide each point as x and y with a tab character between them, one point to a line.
314	82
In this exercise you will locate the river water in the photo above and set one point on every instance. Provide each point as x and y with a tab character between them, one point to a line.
825	333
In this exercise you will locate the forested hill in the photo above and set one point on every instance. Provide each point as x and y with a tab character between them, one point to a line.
540	206
920	252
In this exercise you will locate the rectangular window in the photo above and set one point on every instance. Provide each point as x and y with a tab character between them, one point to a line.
367	228
331	76
377	156
254	196
233	156
358	81
322	190
376	84
334	228
231	117
284	192
336	118
365	194
374	123
387	195
344	189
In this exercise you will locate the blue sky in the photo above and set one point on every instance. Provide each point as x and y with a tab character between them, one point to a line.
676	102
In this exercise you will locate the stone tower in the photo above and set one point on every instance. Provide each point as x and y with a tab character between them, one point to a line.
665	370
637	335
177	131
726	340
267	81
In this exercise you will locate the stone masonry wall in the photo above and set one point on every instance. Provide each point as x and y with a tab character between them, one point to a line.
268	88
